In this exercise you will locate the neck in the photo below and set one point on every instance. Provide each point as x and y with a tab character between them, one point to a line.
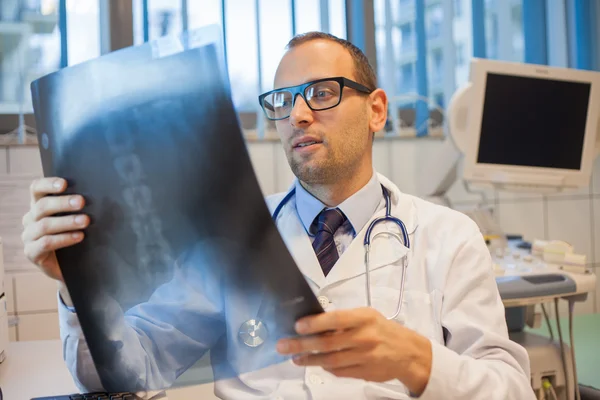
335	193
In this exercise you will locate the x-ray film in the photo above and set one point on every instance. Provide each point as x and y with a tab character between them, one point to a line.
182	257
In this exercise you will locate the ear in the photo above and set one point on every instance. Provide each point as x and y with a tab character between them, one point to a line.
378	103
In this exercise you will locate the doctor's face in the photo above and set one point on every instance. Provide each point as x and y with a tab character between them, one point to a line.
330	145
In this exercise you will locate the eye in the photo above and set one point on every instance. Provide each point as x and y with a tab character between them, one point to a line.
323	94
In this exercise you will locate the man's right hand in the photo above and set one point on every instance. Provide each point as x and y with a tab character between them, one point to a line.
43	232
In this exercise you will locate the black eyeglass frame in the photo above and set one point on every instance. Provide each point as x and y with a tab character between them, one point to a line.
301	89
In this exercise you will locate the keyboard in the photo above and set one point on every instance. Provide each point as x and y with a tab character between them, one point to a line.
92	396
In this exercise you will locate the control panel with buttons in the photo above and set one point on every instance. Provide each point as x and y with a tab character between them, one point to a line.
526	276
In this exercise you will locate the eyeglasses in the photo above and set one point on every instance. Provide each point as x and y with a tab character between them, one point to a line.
319	95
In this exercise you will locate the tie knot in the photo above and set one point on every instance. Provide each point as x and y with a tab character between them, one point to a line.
330	220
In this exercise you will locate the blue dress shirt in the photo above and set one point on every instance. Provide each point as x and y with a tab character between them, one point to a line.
358	208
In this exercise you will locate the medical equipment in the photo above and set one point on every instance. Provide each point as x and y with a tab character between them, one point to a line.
525	278
525	127
367	242
254	332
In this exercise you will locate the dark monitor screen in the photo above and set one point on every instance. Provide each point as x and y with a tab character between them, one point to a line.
533	122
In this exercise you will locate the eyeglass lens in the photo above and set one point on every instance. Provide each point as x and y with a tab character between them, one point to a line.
319	96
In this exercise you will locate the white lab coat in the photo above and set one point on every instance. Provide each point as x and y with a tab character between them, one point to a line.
450	297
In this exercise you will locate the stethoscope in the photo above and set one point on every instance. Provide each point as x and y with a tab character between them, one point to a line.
254	332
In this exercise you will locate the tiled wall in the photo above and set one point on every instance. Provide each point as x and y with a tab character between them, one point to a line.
573	217
31	296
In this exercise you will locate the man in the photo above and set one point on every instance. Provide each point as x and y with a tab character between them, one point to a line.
447	340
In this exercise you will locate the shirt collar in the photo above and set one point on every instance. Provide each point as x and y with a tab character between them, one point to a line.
358	208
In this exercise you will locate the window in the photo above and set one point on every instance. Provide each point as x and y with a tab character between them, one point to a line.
439	99
29	49
458	9
251	66
275	16
438	67
83	30
504	30
308	16
447	40
435	16
205	12
337	25
242	53
460	54
164	17
407	83
406	36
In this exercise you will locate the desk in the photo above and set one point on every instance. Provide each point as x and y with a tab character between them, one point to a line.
37	369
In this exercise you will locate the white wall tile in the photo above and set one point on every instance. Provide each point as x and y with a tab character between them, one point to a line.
569	220
14	203
3	160
525	218
580	192
284	175
404	165
38	327
261	155
580	308
12	333
470	194
596	222
10	292
504	196
595	184
597	294
381	157
35	292
24	160
586	307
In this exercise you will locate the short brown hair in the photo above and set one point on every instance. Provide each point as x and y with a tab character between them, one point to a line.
363	70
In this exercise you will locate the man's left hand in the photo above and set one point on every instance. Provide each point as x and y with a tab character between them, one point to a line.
361	343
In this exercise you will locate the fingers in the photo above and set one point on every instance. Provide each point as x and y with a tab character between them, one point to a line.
54	225
45	186
329	342
319	343
332	361
38	249
336	320
52	205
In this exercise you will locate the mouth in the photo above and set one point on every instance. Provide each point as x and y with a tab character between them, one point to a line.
305	143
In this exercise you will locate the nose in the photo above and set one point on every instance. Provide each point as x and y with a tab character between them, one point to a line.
301	114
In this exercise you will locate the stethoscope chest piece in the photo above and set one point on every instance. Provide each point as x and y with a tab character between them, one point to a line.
253	333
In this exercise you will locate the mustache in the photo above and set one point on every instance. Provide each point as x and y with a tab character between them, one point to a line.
296	133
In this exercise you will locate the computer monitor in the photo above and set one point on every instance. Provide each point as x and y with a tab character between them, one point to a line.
530	127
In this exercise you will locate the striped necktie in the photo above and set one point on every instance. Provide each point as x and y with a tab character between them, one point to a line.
327	222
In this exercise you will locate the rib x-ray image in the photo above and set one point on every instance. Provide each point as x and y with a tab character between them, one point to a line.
182	256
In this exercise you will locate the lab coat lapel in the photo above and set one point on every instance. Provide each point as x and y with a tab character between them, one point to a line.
298	243
385	250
